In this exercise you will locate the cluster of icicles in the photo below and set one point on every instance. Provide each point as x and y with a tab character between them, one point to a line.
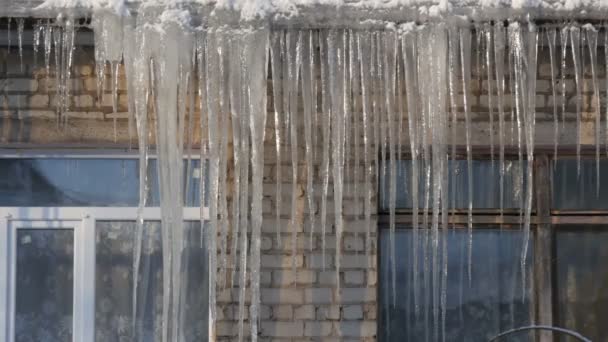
403	89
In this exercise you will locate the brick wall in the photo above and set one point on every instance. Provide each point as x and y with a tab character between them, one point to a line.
305	307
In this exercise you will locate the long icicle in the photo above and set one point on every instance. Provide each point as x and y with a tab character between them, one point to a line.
592	45
308	75
257	57
277	88
465	57
552	39
575	36
294	61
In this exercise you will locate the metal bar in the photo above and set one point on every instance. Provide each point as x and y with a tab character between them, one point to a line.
542	248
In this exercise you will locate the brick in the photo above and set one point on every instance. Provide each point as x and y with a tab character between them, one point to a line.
357	295
356	328
280	261
282	329
286	278
354	277
353	243
331	312
282	296
351	312
316	260
327	278
304	312
282	312
39	100
21	85
317	329
83	101
318	295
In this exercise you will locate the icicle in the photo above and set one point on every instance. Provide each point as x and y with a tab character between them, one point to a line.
487	32
409	52
308	76
499	57
335	51
465	57
36	32
294	61
389	60
212	89
277	39
326	126
575	34
8	34
115	68
20	23
48	37
552	39
563	38
592	45
257	59
234	86
363	46
355	80
530	118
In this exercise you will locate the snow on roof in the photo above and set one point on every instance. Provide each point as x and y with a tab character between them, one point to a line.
355	9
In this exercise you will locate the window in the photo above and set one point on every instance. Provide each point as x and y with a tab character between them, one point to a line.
67	236
566	280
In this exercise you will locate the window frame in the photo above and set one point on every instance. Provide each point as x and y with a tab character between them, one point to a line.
82	220
544	223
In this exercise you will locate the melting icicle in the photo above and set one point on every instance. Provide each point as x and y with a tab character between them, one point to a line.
20	23
326	126
552	38
8	34
592	45
335	51
487	31
575	36
36	32
530	128
256	51
465	57
390	56
499	58
275	54
363	46
409	52
563	38
308	77
294	61
212	77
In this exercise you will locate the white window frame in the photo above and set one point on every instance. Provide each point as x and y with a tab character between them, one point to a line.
82	221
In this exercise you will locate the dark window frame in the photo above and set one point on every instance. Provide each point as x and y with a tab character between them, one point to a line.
544	223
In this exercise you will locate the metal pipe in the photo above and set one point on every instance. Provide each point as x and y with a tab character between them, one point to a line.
541	327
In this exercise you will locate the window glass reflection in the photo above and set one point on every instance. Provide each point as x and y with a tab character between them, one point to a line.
582	280
78	182
492	302
114	283
44	285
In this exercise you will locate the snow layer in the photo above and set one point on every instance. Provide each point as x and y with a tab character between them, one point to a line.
250	9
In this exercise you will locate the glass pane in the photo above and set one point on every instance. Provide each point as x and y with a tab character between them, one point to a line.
572	191
582	280
491	303
486	186
114	283
44	285
83	182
